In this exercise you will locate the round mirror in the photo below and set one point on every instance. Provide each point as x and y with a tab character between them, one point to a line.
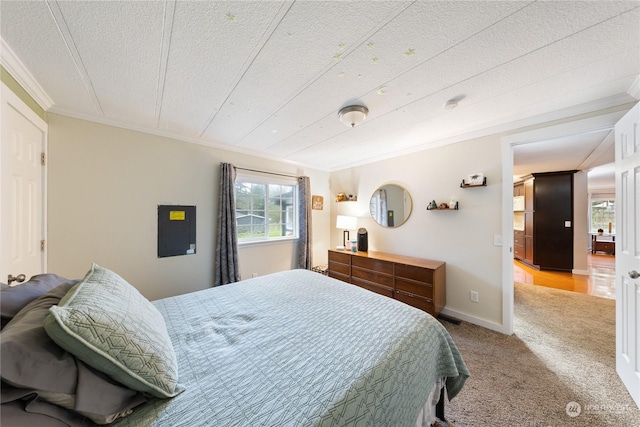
390	205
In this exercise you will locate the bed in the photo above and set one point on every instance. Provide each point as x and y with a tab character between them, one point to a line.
294	348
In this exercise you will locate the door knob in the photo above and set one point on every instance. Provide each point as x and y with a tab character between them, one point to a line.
19	278
634	274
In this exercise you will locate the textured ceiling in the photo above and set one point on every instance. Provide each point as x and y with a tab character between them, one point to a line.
269	77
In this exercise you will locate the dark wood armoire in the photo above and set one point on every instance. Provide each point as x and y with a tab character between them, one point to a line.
553	220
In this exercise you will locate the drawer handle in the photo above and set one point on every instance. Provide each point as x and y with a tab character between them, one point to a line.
414	296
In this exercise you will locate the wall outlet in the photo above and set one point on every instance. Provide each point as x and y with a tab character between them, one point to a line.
497	240
254	274
474	296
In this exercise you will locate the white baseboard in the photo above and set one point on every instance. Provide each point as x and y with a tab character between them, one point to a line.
583	272
475	320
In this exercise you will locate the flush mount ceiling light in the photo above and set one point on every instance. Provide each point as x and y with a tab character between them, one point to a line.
353	115
453	102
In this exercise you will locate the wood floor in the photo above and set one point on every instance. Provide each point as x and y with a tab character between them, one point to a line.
600	282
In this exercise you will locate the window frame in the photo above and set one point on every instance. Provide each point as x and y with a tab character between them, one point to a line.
601	197
261	179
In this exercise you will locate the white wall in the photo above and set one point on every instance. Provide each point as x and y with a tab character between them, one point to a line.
105	184
463	239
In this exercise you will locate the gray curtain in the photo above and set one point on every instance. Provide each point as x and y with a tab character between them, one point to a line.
227	270
304	222
381	208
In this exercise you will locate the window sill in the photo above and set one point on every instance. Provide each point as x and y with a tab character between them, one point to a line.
284	240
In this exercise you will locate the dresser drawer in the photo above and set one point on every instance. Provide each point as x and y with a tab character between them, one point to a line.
518	239
372	264
339	257
339	267
340	276
372	276
382	290
414	273
604	246
415	301
415	288
518	251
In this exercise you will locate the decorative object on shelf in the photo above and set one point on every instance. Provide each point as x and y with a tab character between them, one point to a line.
353	115
433	206
345	223
344	197
474	180
317	202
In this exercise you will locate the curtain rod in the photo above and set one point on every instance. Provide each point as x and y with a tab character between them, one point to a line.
269	173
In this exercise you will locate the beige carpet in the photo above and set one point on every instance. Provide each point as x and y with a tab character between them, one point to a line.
562	353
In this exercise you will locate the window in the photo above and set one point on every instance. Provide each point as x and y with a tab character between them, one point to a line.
266	209
603	213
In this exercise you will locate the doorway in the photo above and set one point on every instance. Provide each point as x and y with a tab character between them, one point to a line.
539	144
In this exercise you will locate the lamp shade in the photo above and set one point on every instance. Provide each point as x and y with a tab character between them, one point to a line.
346	222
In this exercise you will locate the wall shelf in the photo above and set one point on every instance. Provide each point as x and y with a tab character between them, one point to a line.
465	185
344	197
443	209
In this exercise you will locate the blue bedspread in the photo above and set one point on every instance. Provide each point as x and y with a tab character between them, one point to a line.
297	348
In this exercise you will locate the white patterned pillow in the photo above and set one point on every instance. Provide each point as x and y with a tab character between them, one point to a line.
109	325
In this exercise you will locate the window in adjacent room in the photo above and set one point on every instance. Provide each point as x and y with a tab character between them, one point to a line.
603	215
266	208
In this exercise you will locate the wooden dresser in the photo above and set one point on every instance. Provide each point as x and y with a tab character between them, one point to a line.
416	281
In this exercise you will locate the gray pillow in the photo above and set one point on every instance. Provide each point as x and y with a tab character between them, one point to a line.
109	325
14	298
25	349
34	365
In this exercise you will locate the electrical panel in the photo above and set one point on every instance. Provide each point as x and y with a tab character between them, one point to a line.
176	230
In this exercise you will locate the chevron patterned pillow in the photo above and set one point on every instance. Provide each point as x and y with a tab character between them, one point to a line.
109	325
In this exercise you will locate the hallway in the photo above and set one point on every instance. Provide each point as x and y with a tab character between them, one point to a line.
600	282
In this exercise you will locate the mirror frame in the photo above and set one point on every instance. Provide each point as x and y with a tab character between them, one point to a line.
407	214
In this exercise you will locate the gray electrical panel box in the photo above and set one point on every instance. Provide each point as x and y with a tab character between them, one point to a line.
176	230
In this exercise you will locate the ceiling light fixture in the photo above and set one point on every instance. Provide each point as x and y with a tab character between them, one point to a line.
353	115
453	102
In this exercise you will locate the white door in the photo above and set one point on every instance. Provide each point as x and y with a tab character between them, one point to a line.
23	142
628	251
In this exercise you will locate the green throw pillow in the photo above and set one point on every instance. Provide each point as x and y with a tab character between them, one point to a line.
109	325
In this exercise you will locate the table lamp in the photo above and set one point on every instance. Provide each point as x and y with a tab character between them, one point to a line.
346	223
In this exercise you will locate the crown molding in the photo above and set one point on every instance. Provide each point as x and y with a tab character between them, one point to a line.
18	71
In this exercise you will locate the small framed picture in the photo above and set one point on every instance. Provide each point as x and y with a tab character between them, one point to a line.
475	179
317	202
